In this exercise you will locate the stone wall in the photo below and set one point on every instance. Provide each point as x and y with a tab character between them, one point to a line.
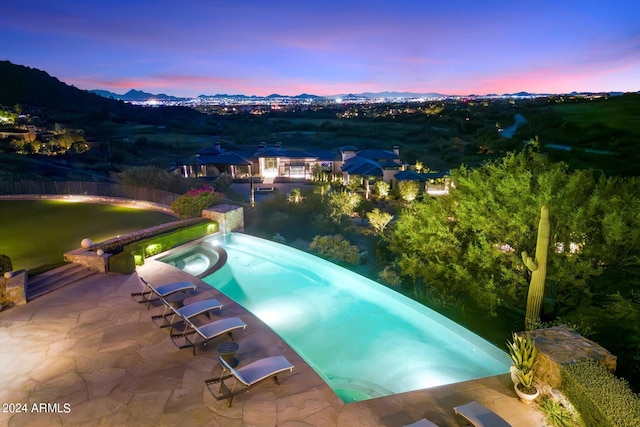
14	286
89	259
559	346
229	217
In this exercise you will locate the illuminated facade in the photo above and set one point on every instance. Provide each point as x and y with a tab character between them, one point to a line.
271	162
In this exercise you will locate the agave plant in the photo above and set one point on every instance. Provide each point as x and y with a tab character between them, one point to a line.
522	351
526	381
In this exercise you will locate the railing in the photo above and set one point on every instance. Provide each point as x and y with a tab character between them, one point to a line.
81	188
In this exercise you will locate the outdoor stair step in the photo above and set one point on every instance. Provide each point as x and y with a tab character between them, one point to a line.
52	280
58	273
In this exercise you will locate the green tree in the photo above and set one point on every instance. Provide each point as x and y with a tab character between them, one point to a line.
409	190
382	188
342	203
470	242
363	208
379	220
295	196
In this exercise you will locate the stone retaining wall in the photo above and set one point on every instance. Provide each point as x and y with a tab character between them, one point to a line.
89	259
559	346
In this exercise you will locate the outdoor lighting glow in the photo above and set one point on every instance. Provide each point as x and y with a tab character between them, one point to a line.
154	248
438	192
211	228
297	175
573	247
196	264
279	314
505	248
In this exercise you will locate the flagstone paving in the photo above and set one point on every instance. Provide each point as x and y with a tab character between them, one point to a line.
95	353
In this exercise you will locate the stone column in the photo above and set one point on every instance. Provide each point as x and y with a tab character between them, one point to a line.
228	217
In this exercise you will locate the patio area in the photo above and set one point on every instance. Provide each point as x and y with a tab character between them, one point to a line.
96	353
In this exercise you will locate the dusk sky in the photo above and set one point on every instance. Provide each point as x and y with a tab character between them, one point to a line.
327	47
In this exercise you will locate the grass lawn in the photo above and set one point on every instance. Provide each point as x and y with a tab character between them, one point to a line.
36	233
616	113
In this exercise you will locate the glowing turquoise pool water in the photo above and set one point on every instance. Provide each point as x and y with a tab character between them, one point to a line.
364	339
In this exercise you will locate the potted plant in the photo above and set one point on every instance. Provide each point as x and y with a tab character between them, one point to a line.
522	351
525	387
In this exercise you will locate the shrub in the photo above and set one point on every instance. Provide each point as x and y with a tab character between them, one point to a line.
335	248
117	244
5	264
279	238
389	276
601	398
194	201
559	412
379	219
409	190
382	188
342	204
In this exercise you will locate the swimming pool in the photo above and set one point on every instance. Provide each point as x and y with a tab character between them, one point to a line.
363	339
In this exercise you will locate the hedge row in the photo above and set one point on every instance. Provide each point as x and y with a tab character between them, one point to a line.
116	245
124	261
600	397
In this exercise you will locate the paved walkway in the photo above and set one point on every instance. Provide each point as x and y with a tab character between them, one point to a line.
93	351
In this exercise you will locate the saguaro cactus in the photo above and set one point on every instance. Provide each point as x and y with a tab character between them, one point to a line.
538	267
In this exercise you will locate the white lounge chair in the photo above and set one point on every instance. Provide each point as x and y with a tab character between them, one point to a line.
205	333
422	423
249	375
153	293
480	416
171	316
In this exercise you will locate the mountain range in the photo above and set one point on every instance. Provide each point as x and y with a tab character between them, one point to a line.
140	96
33	86
59	101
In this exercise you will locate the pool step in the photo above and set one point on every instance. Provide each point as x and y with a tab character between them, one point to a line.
49	281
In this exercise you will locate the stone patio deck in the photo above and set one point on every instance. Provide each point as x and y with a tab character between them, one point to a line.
91	347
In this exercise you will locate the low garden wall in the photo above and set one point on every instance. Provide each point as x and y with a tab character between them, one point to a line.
559	346
100	256
123	253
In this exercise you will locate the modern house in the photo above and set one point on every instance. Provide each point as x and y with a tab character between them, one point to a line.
275	162
271	163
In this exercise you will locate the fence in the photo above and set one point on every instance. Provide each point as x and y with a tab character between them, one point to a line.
80	188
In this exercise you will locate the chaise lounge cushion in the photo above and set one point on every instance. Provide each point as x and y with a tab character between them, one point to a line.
480	416
422	423
154	293
259	370
188	311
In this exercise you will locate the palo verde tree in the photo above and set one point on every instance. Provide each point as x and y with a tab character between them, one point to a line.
342	204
